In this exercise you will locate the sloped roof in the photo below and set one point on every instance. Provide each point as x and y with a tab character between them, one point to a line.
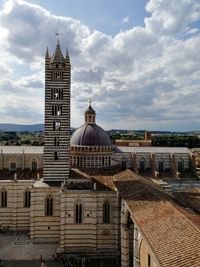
151	149
58	55
190	198
21	149
172	233
90	110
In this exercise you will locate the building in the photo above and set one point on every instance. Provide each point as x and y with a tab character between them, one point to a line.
96	200
147	141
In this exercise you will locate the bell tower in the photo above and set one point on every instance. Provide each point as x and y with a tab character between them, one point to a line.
57	116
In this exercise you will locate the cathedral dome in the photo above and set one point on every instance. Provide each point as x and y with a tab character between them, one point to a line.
90	135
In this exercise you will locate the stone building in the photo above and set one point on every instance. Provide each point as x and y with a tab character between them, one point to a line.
94	199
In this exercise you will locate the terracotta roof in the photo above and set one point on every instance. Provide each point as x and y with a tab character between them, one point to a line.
103	176
78	174
172	233
190	198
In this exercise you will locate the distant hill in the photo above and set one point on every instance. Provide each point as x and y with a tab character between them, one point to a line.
21	127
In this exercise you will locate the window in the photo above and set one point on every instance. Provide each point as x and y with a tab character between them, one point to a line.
142	164
55	155
123	165
56	110
27	199
57	94
56	141
34	165
57	75
149	260
49	206
160	166
57	125
181	165
3	198
13	166
106	212
78	213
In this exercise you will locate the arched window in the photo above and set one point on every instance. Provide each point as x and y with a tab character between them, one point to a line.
142	164
181	165
55	155
78	213
27	199
3	198
81	161
109	161
106	212
56	141
34	165
13	165
161	165
102	161
49	206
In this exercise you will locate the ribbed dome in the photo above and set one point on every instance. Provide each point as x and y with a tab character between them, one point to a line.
90	135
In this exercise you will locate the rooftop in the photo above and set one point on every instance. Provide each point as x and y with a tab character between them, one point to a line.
152	149
21	149
190	198
40	149
172	232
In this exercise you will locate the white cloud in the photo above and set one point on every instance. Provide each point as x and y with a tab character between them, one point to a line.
171	17
125	20
145	77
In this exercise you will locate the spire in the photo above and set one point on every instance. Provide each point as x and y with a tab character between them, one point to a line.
90	114
47	52
58	56
67	57
67	53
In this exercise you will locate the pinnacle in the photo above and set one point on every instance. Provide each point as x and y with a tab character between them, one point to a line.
47	52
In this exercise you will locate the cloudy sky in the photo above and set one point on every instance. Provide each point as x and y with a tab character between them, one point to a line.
139	61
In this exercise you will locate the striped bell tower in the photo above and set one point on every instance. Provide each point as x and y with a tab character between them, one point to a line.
57	116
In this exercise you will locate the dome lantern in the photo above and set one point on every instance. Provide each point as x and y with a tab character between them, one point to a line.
90	115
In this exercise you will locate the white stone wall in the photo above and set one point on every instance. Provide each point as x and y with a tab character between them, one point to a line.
128	158
92	234
23	161
15	216
45	228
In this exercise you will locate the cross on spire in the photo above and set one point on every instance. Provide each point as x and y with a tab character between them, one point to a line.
58	34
